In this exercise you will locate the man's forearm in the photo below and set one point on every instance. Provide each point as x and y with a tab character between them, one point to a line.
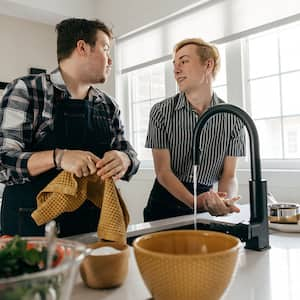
40	162
174	186
228	185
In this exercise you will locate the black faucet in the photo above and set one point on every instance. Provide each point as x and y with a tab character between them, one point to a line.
256	233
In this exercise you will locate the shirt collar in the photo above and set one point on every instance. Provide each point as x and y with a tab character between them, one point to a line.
182	101
58	82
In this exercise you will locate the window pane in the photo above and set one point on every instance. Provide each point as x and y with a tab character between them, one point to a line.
158	89
141	84
269	132
265	97
139	142
141	115
291	128
263	56
290	48
221	78
290	93
221	92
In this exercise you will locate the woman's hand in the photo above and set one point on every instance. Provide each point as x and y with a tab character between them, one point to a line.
80	163
216	203
113	164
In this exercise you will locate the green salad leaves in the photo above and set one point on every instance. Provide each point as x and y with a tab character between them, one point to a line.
19	257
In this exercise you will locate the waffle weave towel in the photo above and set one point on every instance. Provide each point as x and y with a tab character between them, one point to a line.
66	193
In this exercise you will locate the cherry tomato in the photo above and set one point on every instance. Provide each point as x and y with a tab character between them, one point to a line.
30	245
5	236
59	255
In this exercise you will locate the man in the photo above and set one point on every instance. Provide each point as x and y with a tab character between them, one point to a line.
170	132
60	122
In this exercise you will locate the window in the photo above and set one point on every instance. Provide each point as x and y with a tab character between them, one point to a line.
260	73
273	89
147	87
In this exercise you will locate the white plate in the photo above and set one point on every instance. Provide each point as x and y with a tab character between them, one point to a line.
285	227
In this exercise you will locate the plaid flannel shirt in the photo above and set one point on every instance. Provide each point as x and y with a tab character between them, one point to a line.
26	115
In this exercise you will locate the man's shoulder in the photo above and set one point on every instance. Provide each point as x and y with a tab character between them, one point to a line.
26	84
168	103
33	77
35	81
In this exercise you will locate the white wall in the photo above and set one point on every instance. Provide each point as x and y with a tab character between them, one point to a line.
25	44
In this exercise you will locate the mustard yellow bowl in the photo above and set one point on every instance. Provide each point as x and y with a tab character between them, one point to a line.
187	264
105	271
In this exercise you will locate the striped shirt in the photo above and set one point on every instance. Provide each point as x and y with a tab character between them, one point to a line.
26	117
171	126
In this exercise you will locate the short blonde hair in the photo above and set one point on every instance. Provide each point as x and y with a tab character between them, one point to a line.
205	52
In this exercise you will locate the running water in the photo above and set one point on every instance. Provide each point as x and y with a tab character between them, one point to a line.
195	197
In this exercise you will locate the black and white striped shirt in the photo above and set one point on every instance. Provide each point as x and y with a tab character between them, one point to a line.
171	127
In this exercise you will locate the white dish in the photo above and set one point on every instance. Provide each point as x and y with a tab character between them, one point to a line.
285	227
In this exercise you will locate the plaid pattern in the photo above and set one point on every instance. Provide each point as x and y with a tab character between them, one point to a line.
26	116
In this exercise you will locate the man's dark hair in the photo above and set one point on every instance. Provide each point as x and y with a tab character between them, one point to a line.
70	31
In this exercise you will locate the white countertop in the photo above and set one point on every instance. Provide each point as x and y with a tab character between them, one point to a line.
268	275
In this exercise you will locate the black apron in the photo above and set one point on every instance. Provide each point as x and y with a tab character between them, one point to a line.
162	204
78	124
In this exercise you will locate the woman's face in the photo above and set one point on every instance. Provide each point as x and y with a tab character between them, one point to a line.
190	73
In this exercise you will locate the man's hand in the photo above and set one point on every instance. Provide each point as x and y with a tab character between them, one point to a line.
216	203
113	164
80	163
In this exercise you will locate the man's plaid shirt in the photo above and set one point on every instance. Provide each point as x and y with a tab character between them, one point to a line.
26	115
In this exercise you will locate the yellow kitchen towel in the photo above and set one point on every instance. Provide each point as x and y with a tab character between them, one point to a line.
66	193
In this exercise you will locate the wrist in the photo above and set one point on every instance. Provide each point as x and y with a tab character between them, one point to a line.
57	157
201	201
189	201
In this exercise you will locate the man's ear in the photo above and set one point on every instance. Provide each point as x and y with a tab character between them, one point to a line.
210	64
81	47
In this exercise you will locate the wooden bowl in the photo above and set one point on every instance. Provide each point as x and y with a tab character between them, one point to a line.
105	271
186	264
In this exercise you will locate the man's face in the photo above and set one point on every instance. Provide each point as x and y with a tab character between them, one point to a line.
99	60
189	72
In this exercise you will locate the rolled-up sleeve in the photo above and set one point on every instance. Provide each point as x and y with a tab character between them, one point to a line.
237	143
157	137
15	133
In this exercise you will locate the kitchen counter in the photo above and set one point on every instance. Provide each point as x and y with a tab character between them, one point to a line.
268	275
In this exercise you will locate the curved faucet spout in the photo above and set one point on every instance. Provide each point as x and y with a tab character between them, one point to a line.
258	234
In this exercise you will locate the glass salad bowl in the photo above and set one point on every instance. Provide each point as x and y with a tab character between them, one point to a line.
55	283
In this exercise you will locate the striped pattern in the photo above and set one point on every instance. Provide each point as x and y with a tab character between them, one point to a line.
171	127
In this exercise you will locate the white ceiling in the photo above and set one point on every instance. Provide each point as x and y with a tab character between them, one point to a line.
48	12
